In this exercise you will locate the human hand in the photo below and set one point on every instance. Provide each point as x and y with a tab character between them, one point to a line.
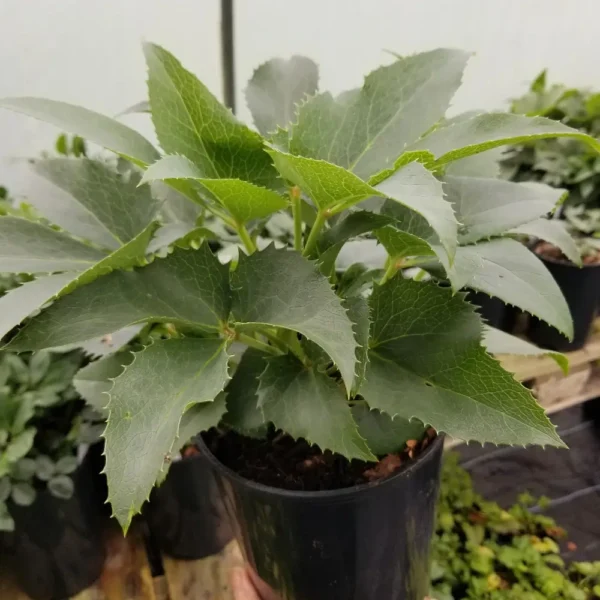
242	587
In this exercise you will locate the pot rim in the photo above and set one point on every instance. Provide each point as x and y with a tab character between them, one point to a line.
567	263
341	493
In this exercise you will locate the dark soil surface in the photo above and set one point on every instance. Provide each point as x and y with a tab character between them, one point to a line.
547	250
282	462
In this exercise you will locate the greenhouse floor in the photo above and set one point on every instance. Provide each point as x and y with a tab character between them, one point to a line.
569	478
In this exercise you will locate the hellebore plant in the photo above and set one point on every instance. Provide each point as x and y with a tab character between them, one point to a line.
352	362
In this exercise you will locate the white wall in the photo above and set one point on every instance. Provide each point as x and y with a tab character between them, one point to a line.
89	53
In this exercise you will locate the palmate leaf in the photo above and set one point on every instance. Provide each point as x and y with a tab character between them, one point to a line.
243	200
190	121
506	269
276	89
426	362
383	434
333	188
500	342
366	130
90	125
30	247
491	207
145	411
100	204
188	287
305	403
243	413
483	132
282	288
553	231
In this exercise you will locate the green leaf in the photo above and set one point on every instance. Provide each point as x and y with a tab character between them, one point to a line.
29	247
426	362
100	204
95	380
4	489
61	487
490	207
106	344
189	120
20	302
145	413
486	131
143	106
333	188
352	225
506	269
276	89
366	130
198	418
281	288
6	521
175	207
243	413
383	434
23	470
23	493
187	287
67	465
500	342
19	446
44	467
243	200
38	366
92	126
400	244
310	405
553	231
358	312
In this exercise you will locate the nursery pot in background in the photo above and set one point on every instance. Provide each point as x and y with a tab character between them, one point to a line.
368	542
494	311
57	548
581	288
185	515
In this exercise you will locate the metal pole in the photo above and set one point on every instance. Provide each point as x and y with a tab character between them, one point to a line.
228	53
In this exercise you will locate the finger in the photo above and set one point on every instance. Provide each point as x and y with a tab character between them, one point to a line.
241	586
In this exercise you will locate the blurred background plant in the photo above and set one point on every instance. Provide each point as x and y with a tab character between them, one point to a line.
483	552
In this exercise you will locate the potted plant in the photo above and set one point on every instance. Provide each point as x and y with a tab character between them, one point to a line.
571	166
50	515
324	431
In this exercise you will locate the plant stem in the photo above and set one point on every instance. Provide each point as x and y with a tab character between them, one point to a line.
245	237
297	214
392	267
311	242
254	343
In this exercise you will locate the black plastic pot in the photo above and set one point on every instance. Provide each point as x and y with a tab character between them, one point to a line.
369	542
186	515
581	288
57	548
494	311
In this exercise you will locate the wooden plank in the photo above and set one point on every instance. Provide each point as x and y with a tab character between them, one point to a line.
205	579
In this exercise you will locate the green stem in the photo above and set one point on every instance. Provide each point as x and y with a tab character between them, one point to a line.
297	214
391	269
246	239
311	242
254	343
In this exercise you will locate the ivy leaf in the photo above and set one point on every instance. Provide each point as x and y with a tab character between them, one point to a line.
506	269
383	434
490	207
100	204
283	289
276	89
500	342
358	312
20	302
308	404
88	124
187	287
243	413
486	131
190	121
451	382
145	413
333	188
29	247
198	418
553	231
94	381
366	130
243	200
